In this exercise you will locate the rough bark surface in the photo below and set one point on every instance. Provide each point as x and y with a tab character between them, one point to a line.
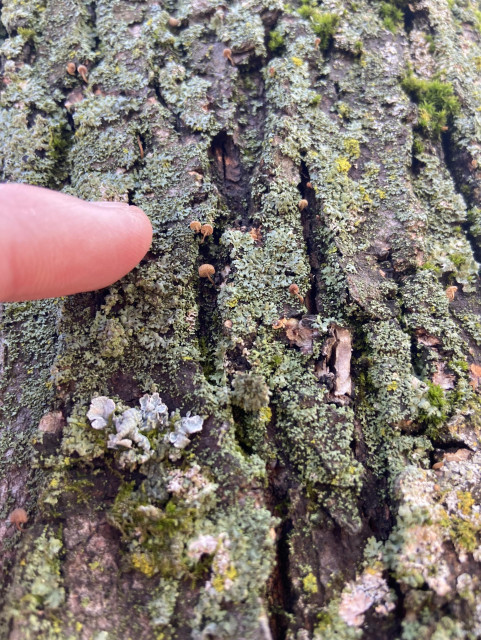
292	450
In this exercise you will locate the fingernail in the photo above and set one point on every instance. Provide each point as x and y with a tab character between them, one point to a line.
139	221
111	205
120	206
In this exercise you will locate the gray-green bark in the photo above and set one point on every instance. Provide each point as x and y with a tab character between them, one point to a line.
333	491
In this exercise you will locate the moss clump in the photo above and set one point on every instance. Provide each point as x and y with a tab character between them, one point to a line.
324	25
437	103
436	411
276	42
26	33
392	16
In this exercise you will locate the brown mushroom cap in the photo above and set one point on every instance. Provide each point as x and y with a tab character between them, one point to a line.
206	271
206	230
83	71
294	291
17	517
195	226
173	22
227	53
303	204
71	68
291	323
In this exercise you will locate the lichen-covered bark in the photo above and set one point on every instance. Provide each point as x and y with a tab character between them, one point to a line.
333	367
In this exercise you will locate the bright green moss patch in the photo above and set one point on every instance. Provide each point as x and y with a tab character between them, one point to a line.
392	16
324	25
437	406
276	42
437	103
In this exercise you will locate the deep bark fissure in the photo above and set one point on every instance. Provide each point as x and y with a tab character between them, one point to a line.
279	623
280	596
462	177
310	221
92	11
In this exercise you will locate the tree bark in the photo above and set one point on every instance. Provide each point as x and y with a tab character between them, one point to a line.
290	449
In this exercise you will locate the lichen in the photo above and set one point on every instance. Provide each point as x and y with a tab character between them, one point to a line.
302	108
39	591
130	428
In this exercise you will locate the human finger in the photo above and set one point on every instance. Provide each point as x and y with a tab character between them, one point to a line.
53	244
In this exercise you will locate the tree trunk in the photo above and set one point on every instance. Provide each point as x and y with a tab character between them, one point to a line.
289	448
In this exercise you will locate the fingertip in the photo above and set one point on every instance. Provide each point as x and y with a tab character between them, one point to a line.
131	232
55	244
142	227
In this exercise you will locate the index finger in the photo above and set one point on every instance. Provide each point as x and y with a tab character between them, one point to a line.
53	244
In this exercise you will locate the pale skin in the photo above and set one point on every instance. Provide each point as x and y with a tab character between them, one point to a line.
53	244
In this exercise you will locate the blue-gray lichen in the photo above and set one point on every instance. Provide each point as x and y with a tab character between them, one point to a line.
132	425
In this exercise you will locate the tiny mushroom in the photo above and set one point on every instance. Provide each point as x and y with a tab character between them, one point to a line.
207	271
18	517
206	230
227	53
451	292
303	204
294	291
71	68
83	71
173	22
195	226
317	42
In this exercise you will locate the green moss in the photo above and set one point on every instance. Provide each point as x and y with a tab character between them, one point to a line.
436	413
164	523
324	25
392	16
437	103
26	33
276	42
